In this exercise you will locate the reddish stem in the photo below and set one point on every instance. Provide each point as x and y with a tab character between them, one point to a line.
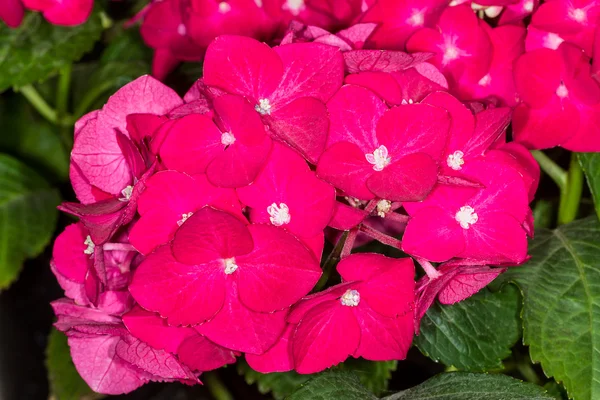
349	244
381	237
118	247
429	269
400	218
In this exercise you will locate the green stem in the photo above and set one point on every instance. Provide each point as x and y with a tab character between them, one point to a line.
215	386
331	261
553	170
570	195
528	373
62	92
38	102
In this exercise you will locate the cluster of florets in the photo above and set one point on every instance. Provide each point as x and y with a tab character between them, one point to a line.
57	12
203	220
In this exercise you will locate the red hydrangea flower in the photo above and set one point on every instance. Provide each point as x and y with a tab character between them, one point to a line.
169	200
398	20
108	358
288	194
560	100
243	266
12	12
462	47
326	14
477	223
369	316
62	12
375	151
286	85
231	149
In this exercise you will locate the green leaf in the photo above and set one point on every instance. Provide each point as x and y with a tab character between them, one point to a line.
280	384
561	305
37	48
475	334
33	139
590	163
333	384
373	375
27	216
65	382
470	386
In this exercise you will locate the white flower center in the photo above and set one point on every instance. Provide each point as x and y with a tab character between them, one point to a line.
562	91
126	193
181	30
383	207
263	106
230	266
258	3
528	6
455	160
578	15
184	218
227	139
466	217
90	245
485	80
417	18
450	54
224	7
280	215
351	298
552	41
404	102
379	158
295	7
493	11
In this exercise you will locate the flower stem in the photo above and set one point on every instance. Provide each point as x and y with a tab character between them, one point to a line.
118	247
553	170
216	388
62	92
381	237
331	261
349	243
91	96
570	195
38	102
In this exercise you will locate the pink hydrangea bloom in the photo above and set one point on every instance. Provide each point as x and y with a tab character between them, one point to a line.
287	85
375	151
560	100
242	266
289	195
478	223
369	316
230	148
62	12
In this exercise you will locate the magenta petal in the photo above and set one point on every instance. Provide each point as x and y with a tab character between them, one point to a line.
277	359
307	303
185	294
330	326
239	328
432	234
537	76
410	178
383	338
303	124
376	61
191	144
381	83
155	362
490	124
310	70
154	330
414	128
96	361
354	112
243	66
346	217
68	254
462	118
12	12
496	236
387	283
265	274
200	354
344	165
210	235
